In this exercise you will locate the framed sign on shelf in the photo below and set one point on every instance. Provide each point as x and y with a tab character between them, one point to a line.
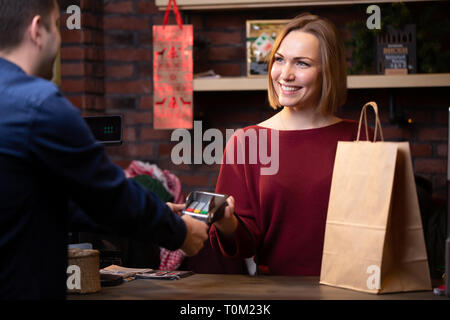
260	37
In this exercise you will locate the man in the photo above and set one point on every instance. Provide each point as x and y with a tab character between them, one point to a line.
48	156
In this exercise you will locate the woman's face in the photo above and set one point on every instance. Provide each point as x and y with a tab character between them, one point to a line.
296	70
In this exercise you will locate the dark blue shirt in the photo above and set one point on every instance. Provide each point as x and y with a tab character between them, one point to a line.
48	156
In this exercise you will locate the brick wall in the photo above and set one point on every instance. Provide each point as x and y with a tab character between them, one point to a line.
107	69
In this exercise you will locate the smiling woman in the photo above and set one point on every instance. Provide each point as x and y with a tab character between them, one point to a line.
280	219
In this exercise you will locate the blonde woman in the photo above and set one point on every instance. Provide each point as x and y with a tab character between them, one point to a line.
280	219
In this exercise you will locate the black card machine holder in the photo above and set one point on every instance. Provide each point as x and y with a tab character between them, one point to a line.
206	206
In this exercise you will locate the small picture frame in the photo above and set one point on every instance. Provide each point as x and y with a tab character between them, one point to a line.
260	37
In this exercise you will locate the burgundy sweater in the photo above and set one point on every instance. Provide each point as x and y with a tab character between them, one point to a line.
285	213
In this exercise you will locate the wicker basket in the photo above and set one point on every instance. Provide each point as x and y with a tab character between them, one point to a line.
84	264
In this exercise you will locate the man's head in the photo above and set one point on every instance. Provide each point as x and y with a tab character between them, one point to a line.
29	33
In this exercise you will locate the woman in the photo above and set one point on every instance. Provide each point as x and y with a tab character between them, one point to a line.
280	218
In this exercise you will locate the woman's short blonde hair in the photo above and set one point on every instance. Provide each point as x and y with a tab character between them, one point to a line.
333	65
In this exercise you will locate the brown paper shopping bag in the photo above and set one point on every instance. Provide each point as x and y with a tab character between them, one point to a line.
374	239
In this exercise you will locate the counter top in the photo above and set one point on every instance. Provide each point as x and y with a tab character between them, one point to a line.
240	287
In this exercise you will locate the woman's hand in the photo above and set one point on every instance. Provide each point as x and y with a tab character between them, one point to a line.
228	224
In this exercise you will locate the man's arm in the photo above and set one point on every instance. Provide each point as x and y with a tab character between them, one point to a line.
63	145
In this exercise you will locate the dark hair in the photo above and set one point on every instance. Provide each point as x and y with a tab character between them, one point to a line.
16	15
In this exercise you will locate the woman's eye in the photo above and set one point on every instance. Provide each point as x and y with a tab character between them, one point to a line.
278	59
302	64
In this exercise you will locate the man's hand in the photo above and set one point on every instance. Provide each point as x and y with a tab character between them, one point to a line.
176	207
196	235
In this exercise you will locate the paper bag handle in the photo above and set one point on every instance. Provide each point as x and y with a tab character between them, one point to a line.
377	121
177	14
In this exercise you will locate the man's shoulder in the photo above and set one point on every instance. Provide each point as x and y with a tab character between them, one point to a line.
22	87
37	90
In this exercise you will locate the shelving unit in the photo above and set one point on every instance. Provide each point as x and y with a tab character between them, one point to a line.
243	4
353	82
260	83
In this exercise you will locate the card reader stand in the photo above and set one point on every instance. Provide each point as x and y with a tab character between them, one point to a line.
206	206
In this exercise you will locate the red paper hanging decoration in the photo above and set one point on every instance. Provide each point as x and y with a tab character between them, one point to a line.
172	73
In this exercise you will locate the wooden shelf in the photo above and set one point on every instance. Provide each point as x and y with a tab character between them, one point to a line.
242	4
353	82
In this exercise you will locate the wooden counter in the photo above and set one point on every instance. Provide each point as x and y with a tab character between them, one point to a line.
240	287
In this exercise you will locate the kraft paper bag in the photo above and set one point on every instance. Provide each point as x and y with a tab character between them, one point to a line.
374	240
172	73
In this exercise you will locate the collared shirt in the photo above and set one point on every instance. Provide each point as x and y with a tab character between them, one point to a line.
48	156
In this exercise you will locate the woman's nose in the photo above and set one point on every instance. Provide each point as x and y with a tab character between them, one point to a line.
287	73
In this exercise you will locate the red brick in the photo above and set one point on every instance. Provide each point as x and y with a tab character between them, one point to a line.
132	150
82	69
76	100
165	149
147	7
129	134
194	180
137	87
145	70
119	7
119	71
439	181
433	134
154	134
128	54
442	150
86	101
73	86
146	38
197	21
99	103
146	102
90	5
72	53
391	133
120	102
122	39
90	20
94	53
214	180
126	23
72	69
95	69
225	38
76	36
430	165
82	85
421	150
135	118
419	116
226	54
441	117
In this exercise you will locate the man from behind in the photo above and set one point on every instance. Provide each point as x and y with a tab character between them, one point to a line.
48	157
